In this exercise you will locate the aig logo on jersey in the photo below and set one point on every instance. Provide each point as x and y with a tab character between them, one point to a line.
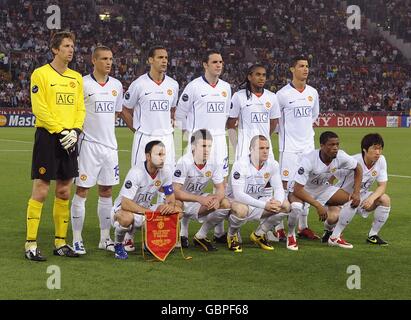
215	107
159	105
104	107
301	112
64	98
259	117
255	188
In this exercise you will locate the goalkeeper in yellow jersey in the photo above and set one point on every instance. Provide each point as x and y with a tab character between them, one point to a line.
58	104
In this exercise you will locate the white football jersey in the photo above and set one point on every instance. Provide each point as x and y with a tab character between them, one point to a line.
194	179
152	103
254	117
299	110
378	172
102	102
140	187
202	106
253	181
315	174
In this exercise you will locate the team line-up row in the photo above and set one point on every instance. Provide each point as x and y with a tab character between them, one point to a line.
75	138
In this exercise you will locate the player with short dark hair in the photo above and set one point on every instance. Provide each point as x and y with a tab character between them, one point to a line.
152	99
98	158
299	105
311	184
191	176
141	185
58	105
374	168
205	103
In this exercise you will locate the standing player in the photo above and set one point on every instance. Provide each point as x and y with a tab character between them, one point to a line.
142	183
311	184
58	104
98	158
299	105
153	98
204	104
191	177
248	179
255	109
374	168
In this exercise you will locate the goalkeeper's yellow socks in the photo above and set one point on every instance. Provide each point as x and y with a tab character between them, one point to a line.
34	209
61	219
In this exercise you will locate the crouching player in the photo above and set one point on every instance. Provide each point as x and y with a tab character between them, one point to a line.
374	168
311	184
142	183
191	177
248	179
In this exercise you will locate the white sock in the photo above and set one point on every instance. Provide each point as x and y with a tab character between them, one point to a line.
296	210
104	206
219	229
267	224
119	232
346	215
214	218
303	219
184	222
235	224
78	212
380	217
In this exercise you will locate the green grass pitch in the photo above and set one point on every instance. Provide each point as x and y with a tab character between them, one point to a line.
316	271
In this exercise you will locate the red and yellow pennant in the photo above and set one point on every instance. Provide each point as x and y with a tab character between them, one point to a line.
161	233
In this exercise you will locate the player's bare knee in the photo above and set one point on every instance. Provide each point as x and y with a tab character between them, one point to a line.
286	207
81	192
239	210
40	190
225	204
105	191
63	193
384	200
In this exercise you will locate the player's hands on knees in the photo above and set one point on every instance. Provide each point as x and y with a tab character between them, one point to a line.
367	203
276	205
211	202
322	213
272	207
355	200
166	209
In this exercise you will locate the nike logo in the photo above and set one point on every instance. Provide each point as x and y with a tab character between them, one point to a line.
247	105
290	102
203	95
53	84
92	94
65	221
372	240
32	218
147	93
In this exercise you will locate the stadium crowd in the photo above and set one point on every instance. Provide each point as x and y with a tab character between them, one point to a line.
353	70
